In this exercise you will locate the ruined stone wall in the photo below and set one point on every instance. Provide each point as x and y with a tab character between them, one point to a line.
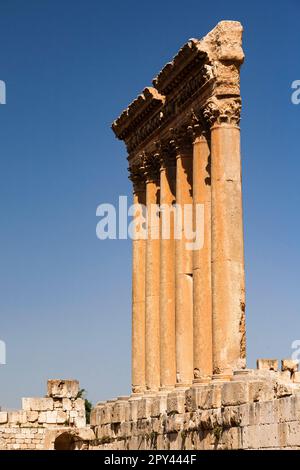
257	410
42	420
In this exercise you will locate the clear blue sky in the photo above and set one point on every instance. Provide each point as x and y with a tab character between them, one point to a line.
70	67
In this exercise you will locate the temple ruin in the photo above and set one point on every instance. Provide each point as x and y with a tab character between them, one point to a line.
191	389
183	143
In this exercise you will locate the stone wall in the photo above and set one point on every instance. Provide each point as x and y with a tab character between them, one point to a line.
42	420
258	409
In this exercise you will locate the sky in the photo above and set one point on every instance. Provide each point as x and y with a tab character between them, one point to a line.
70	68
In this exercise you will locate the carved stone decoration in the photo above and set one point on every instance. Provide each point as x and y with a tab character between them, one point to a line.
180	140
223	111
137	177
151	167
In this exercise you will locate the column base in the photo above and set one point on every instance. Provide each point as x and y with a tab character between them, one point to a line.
202	380
222	377
166	388
183	385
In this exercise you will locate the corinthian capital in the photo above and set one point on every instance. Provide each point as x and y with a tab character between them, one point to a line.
223	111
151	166
136	175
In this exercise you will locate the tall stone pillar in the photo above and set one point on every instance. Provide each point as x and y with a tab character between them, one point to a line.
184	267
202	295
138	283
228	284
167	271
152	345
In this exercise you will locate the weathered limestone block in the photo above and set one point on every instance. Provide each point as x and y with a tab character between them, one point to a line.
144	407
67	404
32	416
51	417
42	417
106	412
235	393
261	390
285	375
296	377
269	364
79	422
63	388
62	417
283	390
3	417
37	404
174	423
290	365
119	410
176	402
79	404
159	405
17	417
206	396
133	408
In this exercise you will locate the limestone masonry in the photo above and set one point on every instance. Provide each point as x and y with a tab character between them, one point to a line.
190	385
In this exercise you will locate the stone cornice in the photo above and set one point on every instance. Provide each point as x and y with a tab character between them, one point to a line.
137	112
202	72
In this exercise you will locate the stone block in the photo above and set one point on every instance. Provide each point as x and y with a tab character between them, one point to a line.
235	393
32	416
293	433
159	405
290	365
80	422
51	417
119	412
3	417
62	388
268	364
67	404
296	377
62	417
79	404
37	404
176	402
133	408
260	390
42	417
17	417
144	407
268	436
250	438
285	375
106	412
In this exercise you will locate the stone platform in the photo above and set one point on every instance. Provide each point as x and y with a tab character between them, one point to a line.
258	409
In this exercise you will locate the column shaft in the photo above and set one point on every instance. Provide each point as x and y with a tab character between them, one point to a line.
167	277
228	285
202	295
152	289
184	280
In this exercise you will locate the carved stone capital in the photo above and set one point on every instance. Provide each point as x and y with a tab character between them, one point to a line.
166	154
137	176
181	141
198	128
151	167
223	111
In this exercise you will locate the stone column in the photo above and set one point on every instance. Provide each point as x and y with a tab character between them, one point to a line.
152	166
138	283
228	285
184	268
167	271
202	295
